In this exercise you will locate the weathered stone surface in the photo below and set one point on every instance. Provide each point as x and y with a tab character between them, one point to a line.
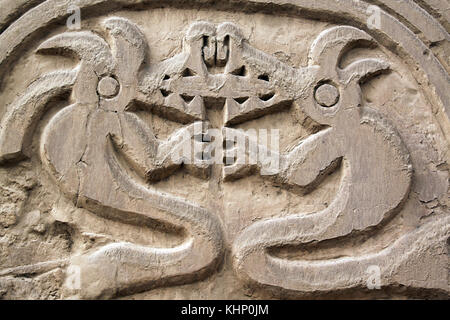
100	199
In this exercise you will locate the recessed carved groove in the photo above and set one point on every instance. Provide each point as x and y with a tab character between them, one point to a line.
241	100
165	93
267	97
241	72
259	112
187	98
187	73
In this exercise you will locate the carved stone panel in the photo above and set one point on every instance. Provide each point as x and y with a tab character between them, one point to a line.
239	150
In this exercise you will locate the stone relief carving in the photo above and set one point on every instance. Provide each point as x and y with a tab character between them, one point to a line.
79	147
104	158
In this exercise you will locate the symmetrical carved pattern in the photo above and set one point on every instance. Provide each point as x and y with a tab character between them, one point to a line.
90	146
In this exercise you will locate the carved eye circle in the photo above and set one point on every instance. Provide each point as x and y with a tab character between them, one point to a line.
108	87
327	95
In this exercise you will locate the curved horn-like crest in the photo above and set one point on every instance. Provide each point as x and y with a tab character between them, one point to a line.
361	69
132	40
18	123
88	47
328	47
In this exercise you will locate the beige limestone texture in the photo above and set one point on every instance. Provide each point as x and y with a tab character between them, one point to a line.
92	120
